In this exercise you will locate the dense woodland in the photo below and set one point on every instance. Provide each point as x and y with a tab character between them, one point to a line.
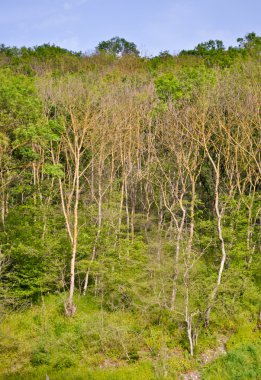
130	212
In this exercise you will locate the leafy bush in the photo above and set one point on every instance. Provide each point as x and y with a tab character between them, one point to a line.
243	363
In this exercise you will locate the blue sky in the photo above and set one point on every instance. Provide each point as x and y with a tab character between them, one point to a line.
153	25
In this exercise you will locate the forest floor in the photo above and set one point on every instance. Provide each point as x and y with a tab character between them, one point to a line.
117	345
207	357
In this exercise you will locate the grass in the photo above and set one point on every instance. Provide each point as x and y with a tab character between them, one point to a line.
243	360
95	344
99	344
242	363
143	371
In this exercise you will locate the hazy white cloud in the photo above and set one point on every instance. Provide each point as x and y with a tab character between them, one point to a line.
53	22
70	43
81	2
67	6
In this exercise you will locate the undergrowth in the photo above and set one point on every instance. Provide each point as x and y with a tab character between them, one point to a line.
100	344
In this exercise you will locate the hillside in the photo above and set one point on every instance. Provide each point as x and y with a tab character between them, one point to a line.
130	212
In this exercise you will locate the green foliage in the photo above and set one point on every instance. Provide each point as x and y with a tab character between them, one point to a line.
251	42
20	107
35	264
115	161
242	363
185	85
40	357
214	53
54	343
118	46
168	87
53	170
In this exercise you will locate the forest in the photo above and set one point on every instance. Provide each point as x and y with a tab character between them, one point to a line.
130	212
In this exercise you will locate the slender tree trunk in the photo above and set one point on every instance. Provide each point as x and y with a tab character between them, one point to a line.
120	216
70	308
93	255
188	317
177	253
3	203
219	214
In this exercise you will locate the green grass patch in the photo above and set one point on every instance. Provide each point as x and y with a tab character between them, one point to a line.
141	371
242	363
